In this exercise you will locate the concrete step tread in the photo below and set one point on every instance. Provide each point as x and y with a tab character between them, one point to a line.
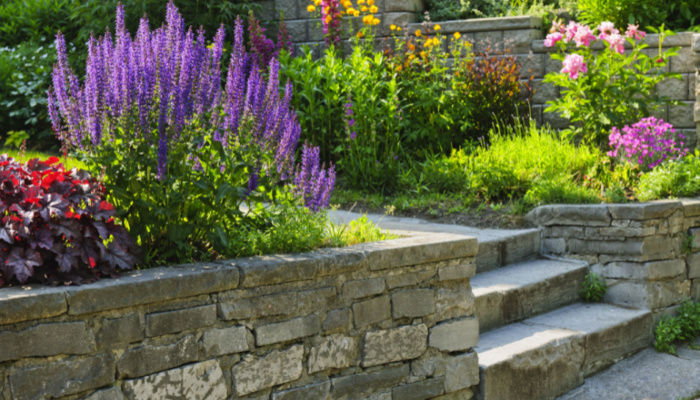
522	274
578	319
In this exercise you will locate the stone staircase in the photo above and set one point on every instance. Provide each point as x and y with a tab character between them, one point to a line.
537	341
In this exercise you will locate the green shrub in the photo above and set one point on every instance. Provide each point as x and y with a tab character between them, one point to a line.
443	10
676	14
446	174
560	189
356	231
677	178
593	288
684	326
522	154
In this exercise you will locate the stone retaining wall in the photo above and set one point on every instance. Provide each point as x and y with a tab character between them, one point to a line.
649	253
383	320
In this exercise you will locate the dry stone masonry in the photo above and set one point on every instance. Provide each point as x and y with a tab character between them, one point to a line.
649	253
384	320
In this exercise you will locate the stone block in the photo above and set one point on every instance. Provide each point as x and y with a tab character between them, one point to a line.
363	288
653	270
695	289
290	8
465	394
644	211
257	373
456	335
163	323
681	116
337	320
151	286
217	342
672	88
684	61
260	306
297	30
371	311
403	343
393	254
420	390
30	302
113	393
462	372
521	246
461	271
148	359
401	19
413	303
332	352
453	303
543	91
693	263
308	392
126	329
490	255
520	40
362	385
47	340
652	295
409	278
62	377
585	215
287	330
414	6
531	65
554	245
201	381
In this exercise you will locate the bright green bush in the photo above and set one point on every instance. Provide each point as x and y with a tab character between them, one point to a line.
678	178
558	190
522	154
684	326
592	288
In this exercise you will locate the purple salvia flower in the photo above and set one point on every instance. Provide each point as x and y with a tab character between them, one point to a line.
53	112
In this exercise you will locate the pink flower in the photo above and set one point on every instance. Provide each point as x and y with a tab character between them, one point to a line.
557	26
616	42
584	36
606	28
573	65
552	38
634	32
570	31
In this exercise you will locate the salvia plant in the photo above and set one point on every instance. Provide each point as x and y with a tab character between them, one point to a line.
647	143
56	226
607	78
180	150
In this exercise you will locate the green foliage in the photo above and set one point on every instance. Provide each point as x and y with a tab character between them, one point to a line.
558	190
443	10
685	326
331	91
676	178
446	174
356	231
522	154
677	14
617	90
592	288
25	75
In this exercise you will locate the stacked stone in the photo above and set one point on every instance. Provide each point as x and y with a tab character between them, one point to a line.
642	250
384	320
696	49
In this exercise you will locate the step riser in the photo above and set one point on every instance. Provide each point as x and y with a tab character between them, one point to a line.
498	253
540	374
501	308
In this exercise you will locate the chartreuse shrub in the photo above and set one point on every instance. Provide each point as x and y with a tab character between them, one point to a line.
677	178
180	152
685	326
609	88
57	226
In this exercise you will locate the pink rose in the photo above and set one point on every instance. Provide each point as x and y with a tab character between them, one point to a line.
584	36
570	31
573	65
606	29
616	42
552	38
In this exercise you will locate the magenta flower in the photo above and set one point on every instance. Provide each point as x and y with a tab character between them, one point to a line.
573	65
552	38
634	32
648	143
570	31
584	36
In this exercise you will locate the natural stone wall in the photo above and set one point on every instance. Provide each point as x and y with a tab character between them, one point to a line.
383	320
649	253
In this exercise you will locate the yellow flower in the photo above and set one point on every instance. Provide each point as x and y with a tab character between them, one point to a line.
350	11
376	21
457	35
392	27
328	19
418	33
399	68
367	19
363	8
360	2
436	41
423	54
370	2
311	8
318	2
437	27
398	29
356	13
411	57
411	46
373	9
347	4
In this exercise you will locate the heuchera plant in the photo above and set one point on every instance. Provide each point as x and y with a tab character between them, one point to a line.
181	151
607	79
56	225
648	143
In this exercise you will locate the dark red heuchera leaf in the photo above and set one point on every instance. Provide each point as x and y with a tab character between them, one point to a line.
56	227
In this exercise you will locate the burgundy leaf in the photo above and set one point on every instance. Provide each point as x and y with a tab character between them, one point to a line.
23	263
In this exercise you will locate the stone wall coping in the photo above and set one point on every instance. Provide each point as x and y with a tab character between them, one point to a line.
485	24
134	288
603	214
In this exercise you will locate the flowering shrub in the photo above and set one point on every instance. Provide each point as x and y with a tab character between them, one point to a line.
179	153
56	225
604	88
332	15
648	143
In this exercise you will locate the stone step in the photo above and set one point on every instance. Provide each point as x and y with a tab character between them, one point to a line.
528	288
549	355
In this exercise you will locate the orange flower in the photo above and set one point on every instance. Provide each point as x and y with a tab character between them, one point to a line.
418	33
